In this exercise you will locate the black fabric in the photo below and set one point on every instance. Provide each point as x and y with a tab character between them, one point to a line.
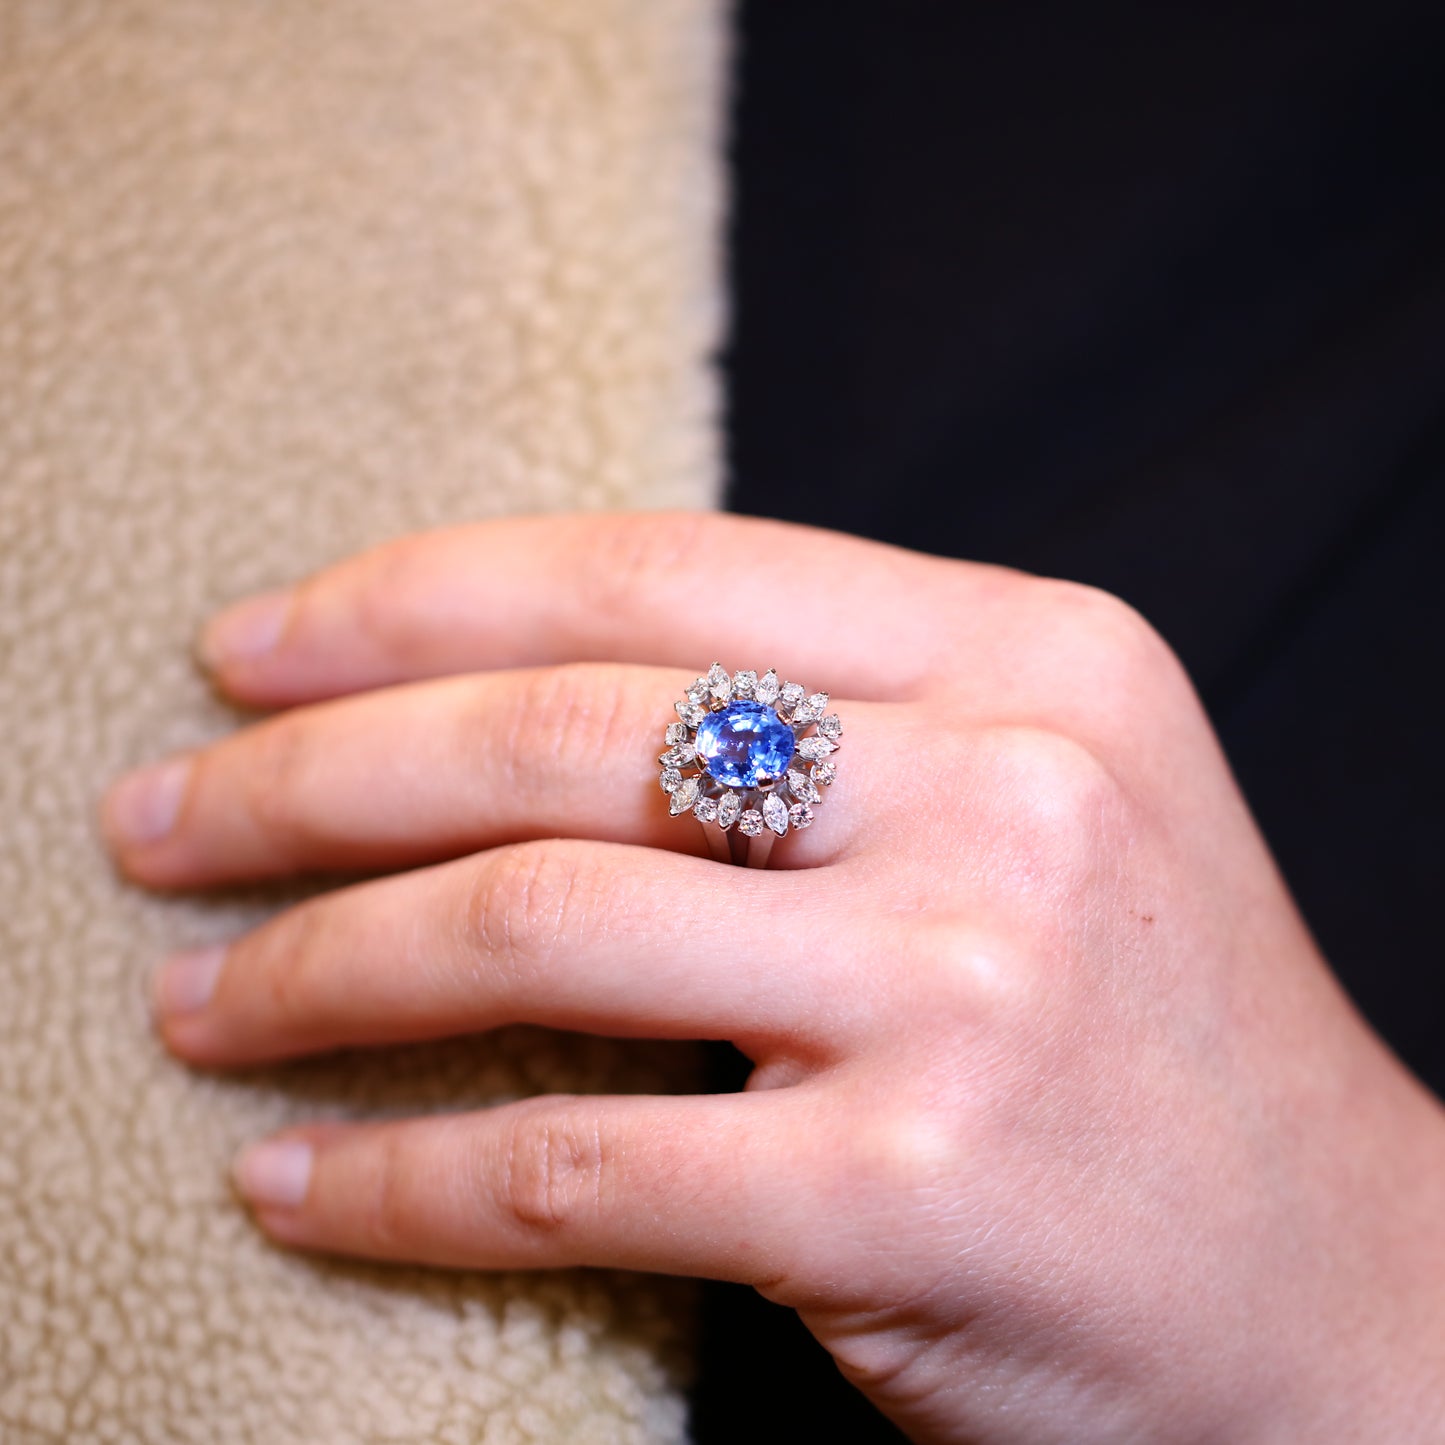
1152	297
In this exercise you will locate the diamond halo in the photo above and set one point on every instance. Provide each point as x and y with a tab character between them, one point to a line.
749	752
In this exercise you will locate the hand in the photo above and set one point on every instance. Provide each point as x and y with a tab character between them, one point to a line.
1059	1128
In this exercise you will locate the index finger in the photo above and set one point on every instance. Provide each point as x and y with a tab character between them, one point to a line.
676	589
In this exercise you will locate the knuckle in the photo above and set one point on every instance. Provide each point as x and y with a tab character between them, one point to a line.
387	1203
1054	805
380	602
1045	771
910	1147
632	560
1116	648
277	779
523	901
576	710
555	1165
288	953
971	978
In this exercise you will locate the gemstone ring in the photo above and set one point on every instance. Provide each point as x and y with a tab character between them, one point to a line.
748	758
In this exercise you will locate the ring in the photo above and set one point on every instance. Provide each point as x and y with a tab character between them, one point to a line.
735	760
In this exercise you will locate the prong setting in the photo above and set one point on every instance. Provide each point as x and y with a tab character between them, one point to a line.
781	722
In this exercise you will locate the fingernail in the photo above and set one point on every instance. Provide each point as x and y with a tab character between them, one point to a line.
274	1172
142	806
186	981
246	631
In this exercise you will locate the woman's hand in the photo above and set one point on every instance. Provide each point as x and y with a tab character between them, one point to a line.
1059	1129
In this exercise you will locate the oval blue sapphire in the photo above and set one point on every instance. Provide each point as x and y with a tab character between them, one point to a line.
745	744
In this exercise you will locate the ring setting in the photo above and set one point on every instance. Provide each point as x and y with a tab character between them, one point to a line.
749	757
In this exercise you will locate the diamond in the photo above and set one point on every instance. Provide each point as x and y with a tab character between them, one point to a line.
831	727
790	696
800	815
802	787
751	823
719	684
775	814
706	809
700	691
671	780
689	712
684	796
811	710
745	684
815	749
676	733
745	745
824	773
728	808
678	757
767	688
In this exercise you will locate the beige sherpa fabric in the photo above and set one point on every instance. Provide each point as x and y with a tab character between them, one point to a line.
278	279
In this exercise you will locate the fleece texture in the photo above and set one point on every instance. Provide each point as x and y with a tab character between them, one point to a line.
279	280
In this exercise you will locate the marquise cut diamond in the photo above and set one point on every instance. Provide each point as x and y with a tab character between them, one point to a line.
684	796
815	748
802	787
811	710
775	814
729	809
719	683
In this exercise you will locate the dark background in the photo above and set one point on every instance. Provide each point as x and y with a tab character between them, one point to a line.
1152	297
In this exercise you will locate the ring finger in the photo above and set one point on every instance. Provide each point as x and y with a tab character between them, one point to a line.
418	773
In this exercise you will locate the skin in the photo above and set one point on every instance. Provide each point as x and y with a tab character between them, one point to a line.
1059	1128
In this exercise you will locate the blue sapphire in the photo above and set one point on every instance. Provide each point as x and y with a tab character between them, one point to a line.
745	745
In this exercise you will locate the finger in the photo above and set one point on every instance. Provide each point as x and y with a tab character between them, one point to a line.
666	589
598	938
679	1185
432	770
